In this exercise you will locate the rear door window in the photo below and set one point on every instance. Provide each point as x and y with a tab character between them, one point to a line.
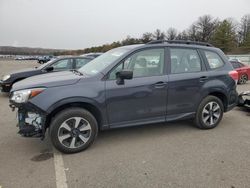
184	60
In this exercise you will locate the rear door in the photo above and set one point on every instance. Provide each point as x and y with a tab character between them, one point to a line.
187	76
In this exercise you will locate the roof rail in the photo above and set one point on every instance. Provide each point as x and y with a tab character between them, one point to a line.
189	42
157	41
180	42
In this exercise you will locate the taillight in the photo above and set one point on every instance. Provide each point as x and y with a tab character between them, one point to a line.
234	75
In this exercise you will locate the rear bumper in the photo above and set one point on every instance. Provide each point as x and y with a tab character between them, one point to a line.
232	100
230	107
5	87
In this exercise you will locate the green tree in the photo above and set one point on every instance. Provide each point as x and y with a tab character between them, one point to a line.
224	36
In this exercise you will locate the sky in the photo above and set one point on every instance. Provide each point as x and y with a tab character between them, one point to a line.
78	24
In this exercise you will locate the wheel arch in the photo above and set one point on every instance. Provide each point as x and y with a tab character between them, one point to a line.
222	97
62	105
247	76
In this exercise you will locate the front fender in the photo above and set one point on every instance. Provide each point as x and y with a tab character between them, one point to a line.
92	93
71	100
81	101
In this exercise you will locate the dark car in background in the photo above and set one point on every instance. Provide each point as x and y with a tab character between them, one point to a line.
132	85
243	71
55	65
44	59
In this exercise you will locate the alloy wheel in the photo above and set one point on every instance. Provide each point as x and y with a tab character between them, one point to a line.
211	113
243	79
74	132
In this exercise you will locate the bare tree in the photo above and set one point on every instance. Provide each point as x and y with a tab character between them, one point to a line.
192	33
171	34
146	37
244	30
182	36
159	35
205	27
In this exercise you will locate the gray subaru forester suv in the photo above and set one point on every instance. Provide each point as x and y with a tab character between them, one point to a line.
161	81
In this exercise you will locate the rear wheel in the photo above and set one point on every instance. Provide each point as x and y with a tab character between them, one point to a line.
73	130
243	79
209	113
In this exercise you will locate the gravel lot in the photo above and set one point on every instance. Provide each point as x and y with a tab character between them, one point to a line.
162	155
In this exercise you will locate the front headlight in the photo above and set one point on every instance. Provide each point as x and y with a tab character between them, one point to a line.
6	77
23	96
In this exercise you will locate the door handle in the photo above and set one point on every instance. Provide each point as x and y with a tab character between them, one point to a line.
160	84
203	78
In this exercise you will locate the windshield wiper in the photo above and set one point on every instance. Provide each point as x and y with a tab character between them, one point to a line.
77	72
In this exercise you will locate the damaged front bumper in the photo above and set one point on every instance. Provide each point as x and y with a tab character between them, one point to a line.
244	99
31	120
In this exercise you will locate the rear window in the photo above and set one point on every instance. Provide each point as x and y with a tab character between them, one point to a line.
213	60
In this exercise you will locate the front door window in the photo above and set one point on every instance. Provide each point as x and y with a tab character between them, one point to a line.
145	63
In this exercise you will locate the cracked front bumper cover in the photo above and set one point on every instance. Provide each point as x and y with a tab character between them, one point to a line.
31	120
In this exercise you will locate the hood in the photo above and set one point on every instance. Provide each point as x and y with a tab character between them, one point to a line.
24	70
48	80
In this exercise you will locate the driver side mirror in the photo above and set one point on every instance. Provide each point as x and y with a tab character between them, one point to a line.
49	69
123	75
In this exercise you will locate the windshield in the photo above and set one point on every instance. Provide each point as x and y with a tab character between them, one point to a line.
100	63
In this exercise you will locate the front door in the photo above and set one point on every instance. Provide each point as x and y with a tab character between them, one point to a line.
144	97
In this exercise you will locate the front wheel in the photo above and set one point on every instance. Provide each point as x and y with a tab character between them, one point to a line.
73	130
209	113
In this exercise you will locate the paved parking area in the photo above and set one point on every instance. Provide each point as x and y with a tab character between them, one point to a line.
162	155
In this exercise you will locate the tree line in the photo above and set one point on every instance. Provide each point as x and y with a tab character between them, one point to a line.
229	35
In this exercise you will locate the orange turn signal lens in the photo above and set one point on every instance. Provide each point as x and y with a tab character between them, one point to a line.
36	92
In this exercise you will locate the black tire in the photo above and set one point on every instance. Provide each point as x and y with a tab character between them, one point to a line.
201	114
69	115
